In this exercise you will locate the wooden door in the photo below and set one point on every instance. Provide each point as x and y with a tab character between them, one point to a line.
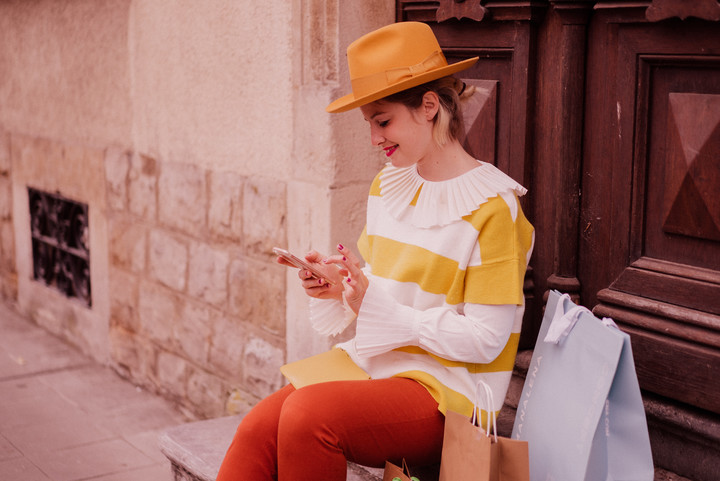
649	252
497	116
609	112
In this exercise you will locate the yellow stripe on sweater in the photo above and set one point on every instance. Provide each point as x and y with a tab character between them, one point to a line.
407	263
447	399
504	362
436	274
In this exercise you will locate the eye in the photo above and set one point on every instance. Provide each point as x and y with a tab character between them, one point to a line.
383	123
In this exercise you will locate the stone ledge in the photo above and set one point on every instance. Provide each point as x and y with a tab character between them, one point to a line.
196	449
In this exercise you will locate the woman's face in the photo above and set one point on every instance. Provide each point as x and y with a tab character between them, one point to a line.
404	135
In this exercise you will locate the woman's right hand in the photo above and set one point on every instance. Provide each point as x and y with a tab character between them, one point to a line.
321	288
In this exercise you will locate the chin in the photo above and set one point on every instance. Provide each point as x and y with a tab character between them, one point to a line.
400	162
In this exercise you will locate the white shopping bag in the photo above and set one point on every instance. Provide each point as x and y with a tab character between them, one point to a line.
581	410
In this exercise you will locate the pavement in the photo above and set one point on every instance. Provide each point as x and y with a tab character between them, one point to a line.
65	417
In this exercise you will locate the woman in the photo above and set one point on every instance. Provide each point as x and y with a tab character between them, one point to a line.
439	303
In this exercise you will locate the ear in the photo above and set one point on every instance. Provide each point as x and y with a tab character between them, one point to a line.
430	105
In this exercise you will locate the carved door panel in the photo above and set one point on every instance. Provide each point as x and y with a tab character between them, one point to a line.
650	214
479	117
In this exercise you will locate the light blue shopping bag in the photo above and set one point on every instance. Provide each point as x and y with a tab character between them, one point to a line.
581	411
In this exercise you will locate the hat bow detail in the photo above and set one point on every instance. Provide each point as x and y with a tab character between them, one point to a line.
389	77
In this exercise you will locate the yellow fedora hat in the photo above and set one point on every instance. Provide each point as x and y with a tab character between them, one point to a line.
391	59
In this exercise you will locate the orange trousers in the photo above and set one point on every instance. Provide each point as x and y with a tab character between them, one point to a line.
310	433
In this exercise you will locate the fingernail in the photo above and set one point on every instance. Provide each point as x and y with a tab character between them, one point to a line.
340	247
349	280
307	274
320	281
344	258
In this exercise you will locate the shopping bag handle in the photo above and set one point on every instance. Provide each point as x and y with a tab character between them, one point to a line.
563	322
488	409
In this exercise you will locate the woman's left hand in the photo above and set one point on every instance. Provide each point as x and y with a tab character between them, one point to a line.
356	283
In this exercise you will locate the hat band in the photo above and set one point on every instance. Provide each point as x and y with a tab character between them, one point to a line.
369	84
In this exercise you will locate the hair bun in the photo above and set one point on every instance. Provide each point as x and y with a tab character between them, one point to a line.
464	90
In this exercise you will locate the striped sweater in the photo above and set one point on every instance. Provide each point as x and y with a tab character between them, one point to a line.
445	263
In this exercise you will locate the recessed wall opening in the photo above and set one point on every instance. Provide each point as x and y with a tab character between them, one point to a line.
60	244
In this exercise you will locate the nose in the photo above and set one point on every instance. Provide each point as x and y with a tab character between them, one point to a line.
376	138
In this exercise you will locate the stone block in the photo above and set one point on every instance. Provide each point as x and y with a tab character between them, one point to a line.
226	348
124	300
168	259
192	331
225	205
128	245
117	167
130	355
208	274
7	246
182	197
158	309
81	175
43	312
5	198
264	215
239	402
172	374
257	293
8	287
142	186
262	362
206	392
197	449
5	162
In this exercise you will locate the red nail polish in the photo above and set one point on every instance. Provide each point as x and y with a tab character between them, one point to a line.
344	258
340	247
320	281
349	280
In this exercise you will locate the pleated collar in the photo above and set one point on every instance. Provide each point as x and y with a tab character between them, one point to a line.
440	203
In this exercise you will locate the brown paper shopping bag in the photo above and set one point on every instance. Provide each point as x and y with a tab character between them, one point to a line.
471	453
509	460
391	472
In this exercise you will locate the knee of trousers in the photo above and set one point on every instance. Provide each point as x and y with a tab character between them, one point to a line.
305	419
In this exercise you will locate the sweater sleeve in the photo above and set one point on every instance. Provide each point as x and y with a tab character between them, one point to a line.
478	333
330	317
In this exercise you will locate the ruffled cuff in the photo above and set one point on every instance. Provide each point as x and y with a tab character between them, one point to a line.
383	324
330	317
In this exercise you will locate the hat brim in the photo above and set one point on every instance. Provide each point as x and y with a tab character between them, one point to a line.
349	101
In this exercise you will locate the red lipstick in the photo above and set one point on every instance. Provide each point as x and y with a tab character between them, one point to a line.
389	150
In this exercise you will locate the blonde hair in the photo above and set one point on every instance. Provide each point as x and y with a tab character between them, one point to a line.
448	122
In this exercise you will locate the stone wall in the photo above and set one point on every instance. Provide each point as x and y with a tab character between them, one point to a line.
197	136
197	305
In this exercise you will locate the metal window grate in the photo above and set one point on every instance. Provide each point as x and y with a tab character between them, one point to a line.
60	247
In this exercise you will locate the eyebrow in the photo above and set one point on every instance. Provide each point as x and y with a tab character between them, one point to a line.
372	117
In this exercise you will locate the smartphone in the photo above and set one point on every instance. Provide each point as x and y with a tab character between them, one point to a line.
301	264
